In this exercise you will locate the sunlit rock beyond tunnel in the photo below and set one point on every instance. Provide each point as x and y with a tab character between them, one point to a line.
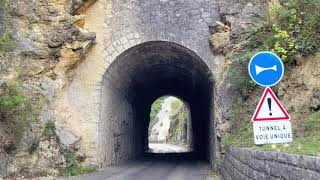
170	128
138	77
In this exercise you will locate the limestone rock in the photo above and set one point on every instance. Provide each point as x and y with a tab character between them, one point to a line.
46	158
315	100
66	138
242	15
222	128
4	158
85	6
220	41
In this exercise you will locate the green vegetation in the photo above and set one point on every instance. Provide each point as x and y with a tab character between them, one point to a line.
306	139
155	108
178	124
303	146
238	75
176	104
49	130
290	30
289	34
34	147
74	166
242	132
181	119
6	41
19	109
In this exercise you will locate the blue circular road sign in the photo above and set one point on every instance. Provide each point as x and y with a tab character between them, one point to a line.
266	69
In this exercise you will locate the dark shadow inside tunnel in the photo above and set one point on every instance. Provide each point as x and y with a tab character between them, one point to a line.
135	80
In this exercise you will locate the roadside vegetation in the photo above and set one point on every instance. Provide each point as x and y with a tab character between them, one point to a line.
292	31
306	136
74	166
289	30
6	40
178	132
18	108
73	161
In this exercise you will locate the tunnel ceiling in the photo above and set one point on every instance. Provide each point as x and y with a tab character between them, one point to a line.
147	71
153	69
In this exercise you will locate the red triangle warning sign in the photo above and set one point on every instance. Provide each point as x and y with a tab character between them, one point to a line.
270	108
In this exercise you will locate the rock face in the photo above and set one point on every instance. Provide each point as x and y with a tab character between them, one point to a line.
220	38
66	138
46	159
160	131
174	125
180	127
299	90
315	100
49	46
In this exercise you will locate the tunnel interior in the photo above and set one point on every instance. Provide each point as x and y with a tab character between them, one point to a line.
135	80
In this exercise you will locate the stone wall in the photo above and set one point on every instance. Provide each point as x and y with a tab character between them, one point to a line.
254	164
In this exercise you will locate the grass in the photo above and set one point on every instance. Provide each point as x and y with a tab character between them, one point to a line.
74	166
302	146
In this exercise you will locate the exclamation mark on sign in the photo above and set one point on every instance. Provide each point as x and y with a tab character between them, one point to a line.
269	104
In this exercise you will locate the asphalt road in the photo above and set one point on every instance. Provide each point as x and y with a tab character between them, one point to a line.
176	164
166	148
153	170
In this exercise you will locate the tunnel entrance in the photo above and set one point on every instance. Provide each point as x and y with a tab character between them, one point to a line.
170	128
139	76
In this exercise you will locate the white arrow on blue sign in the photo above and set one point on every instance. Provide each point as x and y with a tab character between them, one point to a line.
266	69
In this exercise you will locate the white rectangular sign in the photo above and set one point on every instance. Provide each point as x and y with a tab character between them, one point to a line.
272	132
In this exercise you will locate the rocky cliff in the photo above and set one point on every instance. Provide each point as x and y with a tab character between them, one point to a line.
180	125
173	125
49	42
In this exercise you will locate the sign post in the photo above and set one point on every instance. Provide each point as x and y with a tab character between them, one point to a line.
271	122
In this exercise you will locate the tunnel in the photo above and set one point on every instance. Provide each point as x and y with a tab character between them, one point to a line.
134	80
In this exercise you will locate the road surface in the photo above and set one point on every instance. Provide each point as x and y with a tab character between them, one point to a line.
167	148
153	170
177	163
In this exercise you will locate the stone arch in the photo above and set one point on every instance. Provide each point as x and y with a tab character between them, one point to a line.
130	85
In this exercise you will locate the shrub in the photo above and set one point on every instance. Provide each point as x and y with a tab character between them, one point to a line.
288	33
238	76
74	166
49	130
19	109
6	42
